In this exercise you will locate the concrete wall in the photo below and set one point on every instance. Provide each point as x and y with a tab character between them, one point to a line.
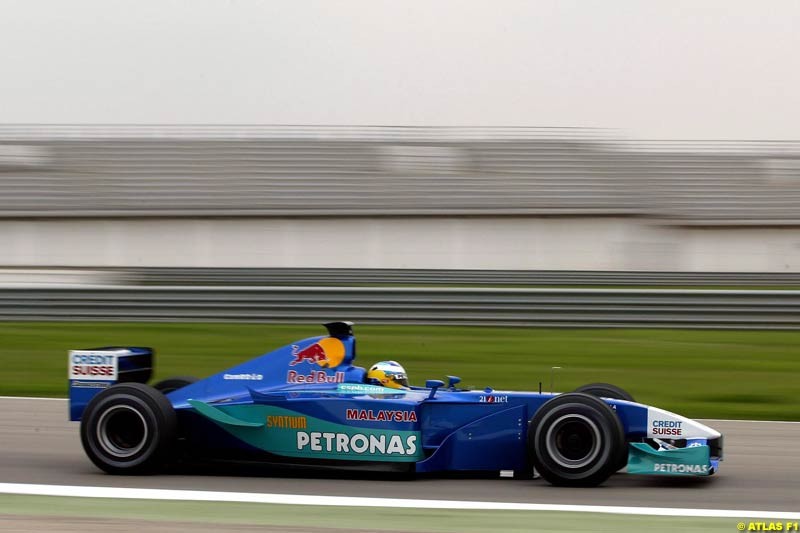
450	243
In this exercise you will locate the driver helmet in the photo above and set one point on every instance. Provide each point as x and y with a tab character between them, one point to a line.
388	374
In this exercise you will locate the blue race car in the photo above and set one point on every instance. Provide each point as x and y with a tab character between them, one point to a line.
308	404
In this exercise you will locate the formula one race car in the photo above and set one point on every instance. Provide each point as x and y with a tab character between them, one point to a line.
307	404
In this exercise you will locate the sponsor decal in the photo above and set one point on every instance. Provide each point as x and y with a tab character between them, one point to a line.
315	376
643	459
90	384
668	425
293	434
327	353
493	399
375	444
671	428
92	366
680	469
360	388
381	415
287	422
243	377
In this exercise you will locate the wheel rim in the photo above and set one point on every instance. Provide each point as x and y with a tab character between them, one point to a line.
573	441
122	431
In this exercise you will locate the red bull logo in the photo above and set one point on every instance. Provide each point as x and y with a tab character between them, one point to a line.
327	353
315	376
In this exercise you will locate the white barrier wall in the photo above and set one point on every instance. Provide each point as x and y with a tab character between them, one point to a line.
397	242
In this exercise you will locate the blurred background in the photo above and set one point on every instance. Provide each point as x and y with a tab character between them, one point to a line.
192	212
629	168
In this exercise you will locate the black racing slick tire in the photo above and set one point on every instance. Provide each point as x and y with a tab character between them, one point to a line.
174	383
129	428
606	390
575	439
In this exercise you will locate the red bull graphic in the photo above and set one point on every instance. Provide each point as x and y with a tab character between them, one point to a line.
315	376
327	353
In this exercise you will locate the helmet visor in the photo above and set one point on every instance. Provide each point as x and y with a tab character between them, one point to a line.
399	378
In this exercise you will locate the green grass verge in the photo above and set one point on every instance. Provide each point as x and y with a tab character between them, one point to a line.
698	373
348	518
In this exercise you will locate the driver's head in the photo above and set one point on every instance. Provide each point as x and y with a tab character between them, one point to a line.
389	374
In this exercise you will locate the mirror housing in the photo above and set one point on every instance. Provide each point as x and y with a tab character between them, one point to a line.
433	384
452	381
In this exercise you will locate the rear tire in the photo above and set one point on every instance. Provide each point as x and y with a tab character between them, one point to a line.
129	428
575	439
168	385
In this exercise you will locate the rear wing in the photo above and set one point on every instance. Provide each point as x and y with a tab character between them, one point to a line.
94	369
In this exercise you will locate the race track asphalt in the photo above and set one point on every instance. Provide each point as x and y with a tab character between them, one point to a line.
761	471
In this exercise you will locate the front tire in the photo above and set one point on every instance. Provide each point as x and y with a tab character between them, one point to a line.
575	439
129	428
606	390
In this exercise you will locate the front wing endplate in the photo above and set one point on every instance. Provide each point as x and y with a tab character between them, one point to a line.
692	461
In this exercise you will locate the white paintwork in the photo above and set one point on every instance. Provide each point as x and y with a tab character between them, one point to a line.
688	428
53	277
572	243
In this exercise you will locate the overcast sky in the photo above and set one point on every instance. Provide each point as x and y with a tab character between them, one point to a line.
651	69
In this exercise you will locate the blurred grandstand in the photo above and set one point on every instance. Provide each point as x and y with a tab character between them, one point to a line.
235	171
512	226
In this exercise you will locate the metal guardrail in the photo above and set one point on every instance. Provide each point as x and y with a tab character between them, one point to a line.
473	306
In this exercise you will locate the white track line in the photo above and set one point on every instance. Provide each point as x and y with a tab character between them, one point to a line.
350	501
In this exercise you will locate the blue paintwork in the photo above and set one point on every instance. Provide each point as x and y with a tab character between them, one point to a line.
307	402
460	430
79	397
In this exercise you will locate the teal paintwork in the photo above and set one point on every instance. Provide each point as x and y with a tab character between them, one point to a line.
693	461
292	434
